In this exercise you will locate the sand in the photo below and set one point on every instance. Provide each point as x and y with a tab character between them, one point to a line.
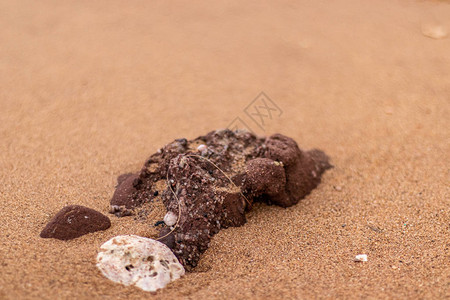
90	89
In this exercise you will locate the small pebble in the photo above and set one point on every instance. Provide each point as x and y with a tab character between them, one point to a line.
170	218
159	223
361	257
203	149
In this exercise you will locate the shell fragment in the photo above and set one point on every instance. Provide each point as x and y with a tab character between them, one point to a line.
140	261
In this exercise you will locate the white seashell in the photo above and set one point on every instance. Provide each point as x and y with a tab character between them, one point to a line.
135	260
170	218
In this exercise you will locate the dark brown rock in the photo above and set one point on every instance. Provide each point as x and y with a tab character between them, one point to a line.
233	208
264	176
282	148
303	169
208	202
122	201
166	237
121	178
214	179
74	221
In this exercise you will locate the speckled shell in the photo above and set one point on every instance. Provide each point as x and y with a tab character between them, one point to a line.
135	260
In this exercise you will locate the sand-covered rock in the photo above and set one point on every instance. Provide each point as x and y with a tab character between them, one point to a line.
74	221
209	183
140	261
122	202
264	176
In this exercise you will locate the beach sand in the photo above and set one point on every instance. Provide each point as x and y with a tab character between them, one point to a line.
89	89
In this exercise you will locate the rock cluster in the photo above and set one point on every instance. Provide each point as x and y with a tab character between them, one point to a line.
211	181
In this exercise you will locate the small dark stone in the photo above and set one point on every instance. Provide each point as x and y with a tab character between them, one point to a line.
159	223
74	221
169	240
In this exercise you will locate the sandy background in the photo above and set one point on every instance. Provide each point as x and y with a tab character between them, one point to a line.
89	89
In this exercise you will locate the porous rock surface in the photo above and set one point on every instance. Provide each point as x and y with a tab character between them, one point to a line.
214	179
140	261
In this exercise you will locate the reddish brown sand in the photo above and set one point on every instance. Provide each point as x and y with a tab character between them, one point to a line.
88	90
